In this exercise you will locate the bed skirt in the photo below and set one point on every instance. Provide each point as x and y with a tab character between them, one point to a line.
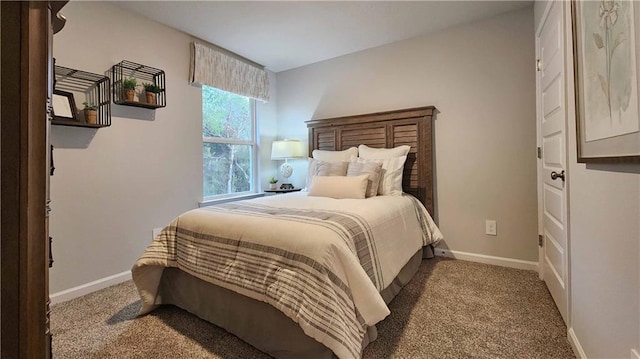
256	322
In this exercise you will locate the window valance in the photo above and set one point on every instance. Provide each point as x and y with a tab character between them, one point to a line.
214	68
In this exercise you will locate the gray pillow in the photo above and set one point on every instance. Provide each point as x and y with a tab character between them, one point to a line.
373	169
331	168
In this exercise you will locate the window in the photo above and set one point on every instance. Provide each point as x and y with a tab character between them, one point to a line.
228	143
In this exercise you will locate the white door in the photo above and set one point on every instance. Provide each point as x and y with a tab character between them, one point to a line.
552	116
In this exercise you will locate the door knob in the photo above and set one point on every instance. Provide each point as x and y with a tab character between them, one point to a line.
555	175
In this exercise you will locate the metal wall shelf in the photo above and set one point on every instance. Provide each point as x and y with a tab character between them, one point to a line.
85	87
143	74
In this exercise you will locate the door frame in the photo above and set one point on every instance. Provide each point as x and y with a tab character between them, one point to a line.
23	178
568	71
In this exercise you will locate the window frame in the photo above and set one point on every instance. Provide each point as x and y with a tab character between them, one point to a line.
253	142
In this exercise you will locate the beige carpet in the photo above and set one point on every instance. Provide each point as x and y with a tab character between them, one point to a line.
451	309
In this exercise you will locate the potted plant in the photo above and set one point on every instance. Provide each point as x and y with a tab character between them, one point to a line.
129	87
151	90
90	113
272	182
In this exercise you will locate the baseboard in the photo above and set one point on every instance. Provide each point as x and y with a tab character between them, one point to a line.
575	344
482	258
90	287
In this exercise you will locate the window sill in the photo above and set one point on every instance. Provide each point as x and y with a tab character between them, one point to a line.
212	202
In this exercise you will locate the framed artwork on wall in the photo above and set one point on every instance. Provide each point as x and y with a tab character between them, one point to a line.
606	81
64	106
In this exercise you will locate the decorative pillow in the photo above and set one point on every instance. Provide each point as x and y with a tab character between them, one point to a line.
371	153
345	155
324	168
391	175
339	186
373	169
331	168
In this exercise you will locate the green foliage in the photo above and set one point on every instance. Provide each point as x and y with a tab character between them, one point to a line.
151	87
225	114
129	84
89	106
273	180
226	167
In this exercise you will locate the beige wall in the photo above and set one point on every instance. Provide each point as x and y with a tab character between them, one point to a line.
480	76
113	185
604	243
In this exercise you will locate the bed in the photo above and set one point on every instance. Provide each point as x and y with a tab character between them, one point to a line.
297	275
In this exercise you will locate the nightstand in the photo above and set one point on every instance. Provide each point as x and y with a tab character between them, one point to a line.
281	191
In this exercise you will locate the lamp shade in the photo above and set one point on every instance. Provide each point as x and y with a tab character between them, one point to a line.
284	149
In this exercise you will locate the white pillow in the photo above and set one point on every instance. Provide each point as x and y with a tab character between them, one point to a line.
311	169
371	153
339	186
373	169
391	178
345	155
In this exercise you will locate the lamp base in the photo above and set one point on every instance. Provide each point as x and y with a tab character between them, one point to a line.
286	170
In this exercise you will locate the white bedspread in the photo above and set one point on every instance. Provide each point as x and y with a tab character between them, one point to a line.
320	261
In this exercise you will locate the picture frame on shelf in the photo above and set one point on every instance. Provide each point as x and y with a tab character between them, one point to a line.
64	106
605	59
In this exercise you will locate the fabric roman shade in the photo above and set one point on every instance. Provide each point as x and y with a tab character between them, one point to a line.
214	68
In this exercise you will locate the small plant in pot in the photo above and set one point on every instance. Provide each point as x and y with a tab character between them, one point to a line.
272	182
90	113
151	90
129	87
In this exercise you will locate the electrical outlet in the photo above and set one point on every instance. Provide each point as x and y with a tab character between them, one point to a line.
155	232
491	227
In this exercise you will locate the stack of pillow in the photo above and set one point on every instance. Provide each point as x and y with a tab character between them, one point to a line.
360	172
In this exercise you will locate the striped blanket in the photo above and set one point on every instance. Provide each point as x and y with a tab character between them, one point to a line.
320	262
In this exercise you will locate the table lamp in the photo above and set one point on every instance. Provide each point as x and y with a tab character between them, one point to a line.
284	150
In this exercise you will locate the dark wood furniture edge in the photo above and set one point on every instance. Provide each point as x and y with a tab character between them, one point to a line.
373	117
26	34
422	117
282	190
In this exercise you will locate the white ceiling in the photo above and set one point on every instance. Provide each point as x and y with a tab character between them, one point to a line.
282	35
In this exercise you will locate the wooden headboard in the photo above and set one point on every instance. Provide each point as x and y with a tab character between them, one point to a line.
413	127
